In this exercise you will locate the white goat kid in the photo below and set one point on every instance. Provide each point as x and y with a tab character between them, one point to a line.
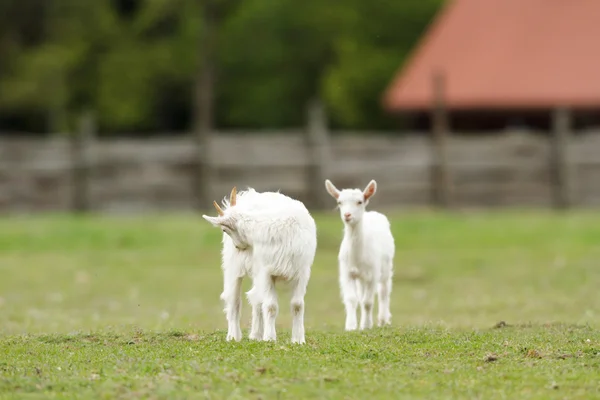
237	263
365	258
270	237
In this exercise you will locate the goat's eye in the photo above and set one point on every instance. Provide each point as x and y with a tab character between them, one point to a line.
359	202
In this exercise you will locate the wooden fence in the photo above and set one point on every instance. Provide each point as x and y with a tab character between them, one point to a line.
516	168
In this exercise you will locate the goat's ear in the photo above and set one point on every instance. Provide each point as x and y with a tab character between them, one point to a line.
215	221
370	189
331	189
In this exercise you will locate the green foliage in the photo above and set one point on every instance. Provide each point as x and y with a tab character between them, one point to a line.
64	56
94	58
369	53
98	307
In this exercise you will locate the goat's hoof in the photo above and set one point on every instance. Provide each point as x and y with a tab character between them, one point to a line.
235	335
269	337
384	322
298	341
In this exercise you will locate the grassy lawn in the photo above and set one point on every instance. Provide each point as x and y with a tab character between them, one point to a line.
113	307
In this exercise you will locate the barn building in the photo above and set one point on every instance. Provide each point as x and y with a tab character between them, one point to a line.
503	64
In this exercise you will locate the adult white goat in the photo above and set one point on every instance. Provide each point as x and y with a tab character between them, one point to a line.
270	237
365	258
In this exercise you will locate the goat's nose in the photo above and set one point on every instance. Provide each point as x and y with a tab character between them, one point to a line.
347	215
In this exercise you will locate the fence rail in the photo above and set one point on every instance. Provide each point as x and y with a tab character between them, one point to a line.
503	169
517	168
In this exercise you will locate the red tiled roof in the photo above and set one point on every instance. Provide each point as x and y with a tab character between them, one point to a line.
499	54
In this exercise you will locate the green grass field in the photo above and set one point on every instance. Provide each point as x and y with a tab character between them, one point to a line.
101	307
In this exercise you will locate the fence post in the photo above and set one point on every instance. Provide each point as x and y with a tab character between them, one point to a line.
203	171
560	165
319	154
440	171
204	109
80	142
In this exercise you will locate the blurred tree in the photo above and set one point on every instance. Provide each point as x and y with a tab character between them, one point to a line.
137	63
95	57
274	56
38	73
214	15
278	54
368	53
22	26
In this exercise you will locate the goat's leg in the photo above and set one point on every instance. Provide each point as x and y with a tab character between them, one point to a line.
255	300
232	297
270	307
256	331
383	293
350	298
297	306
366	304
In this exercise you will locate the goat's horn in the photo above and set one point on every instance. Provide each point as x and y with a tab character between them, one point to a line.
232	196
219	211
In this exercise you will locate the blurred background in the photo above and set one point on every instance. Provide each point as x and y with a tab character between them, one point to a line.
146	105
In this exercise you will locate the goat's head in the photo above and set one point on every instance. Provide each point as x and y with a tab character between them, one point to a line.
228	221
351	202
